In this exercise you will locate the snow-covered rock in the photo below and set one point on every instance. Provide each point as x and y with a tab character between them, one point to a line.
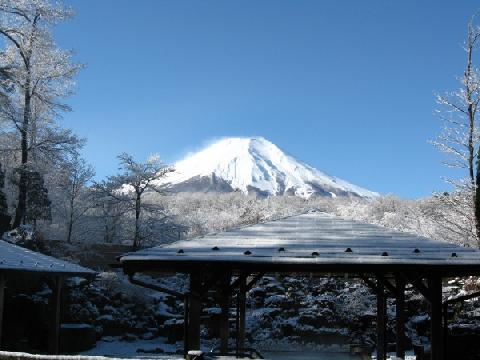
22	234
254	166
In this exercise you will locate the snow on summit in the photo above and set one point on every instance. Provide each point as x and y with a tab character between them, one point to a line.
255	165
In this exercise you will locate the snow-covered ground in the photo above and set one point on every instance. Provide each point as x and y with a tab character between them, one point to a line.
146	349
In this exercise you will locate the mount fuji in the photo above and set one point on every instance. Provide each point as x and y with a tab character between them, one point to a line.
254	166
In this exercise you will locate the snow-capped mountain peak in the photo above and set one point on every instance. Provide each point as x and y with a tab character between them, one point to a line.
255	165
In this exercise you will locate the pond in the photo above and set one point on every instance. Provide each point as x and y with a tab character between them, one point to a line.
294	355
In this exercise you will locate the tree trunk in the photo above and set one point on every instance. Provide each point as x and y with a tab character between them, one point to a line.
106	236
477	203
70	222
70	226
136	240
471	118
474	174
22	184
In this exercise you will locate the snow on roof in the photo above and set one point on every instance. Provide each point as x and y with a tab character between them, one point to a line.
16	258
314	238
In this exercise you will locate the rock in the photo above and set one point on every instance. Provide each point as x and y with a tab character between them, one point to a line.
274	288
129	337
174	330
276	301
156	350
77	337
195	355
315	320
420	324
287	329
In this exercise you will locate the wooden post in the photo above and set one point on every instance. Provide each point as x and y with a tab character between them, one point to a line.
2	303
242	301
194	312
445	328
237	327
400	316
224	316
54	336
436	331
381	322
186	302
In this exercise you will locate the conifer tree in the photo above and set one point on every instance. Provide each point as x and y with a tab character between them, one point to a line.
38	203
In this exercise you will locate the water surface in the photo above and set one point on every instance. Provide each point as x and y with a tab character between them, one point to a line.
293	355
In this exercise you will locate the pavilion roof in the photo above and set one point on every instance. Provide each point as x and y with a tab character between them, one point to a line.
14	258
313	241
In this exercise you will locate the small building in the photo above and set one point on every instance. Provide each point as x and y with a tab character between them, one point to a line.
230	262
19	263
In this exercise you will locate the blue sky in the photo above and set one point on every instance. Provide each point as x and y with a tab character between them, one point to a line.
346	86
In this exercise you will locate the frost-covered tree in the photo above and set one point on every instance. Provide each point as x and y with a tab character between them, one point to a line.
72	183
459	138
41	74
131	184
111	214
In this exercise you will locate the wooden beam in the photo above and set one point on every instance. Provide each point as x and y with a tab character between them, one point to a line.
436	331
400	316
194	312
236	283
2	304
54	335
151	286
387	284
252	282
381	322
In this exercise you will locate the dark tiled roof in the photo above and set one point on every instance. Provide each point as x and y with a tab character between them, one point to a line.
16	258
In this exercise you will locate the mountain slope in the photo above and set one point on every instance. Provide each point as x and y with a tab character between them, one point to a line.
255	165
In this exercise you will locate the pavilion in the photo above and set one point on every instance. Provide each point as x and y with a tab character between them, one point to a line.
230	262
16	260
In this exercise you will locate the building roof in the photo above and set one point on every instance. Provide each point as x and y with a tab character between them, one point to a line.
313	242
14	258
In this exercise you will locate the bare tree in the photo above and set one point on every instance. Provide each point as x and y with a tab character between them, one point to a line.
459	138
41	73
72	184
112	212
130	186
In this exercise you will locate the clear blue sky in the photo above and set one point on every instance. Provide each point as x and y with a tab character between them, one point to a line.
346	86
